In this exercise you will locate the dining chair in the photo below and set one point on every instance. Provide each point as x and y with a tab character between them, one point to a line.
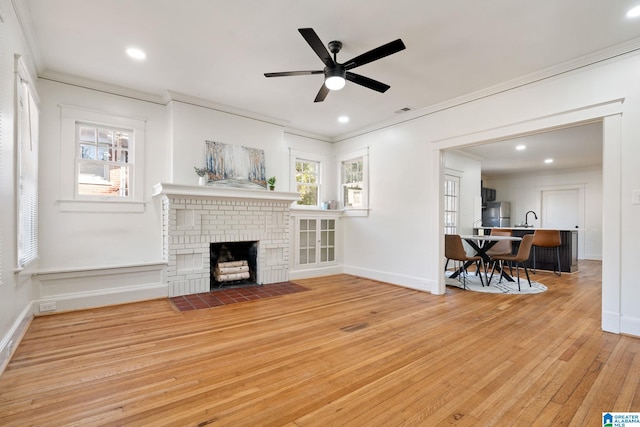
519	259
547	239
454	250
501	248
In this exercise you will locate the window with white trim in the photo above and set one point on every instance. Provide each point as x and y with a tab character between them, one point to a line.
451	203
27	118
103	167
308	182
100	161
354	181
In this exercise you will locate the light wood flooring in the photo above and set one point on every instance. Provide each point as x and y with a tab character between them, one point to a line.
348	352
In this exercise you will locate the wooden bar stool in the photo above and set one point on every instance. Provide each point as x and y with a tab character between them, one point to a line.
546	239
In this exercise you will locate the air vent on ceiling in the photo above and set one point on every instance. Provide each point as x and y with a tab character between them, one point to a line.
403	110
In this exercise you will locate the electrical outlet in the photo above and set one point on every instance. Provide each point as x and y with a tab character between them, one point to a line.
635	197
47	306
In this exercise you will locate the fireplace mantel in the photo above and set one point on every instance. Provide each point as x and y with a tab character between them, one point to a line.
194	218
226	193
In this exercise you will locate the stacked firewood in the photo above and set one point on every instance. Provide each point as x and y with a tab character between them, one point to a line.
232	270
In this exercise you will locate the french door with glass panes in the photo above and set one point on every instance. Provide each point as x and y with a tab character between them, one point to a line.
316	241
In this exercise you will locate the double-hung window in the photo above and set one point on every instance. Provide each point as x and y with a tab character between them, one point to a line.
103	167
354	181
451	203
101	162
27	118
308	182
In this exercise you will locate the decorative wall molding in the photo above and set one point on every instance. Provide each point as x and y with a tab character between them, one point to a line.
74	289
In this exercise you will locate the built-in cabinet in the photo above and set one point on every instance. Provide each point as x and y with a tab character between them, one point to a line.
315	240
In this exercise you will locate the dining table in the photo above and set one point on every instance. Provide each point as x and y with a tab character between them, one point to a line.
481	244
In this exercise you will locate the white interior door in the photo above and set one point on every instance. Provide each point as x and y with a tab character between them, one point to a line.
563	209
560	209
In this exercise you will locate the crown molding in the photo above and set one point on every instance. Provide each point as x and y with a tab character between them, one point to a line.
591	60
99	86
200	102
23	15
309	135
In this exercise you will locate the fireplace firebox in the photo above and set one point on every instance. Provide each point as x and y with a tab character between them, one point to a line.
233	264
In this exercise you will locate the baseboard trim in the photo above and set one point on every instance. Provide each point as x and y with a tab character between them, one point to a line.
411	282
611	322
630	326
315	272
106	297
76	289
12	339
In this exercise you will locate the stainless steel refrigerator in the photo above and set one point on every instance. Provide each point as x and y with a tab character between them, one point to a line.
496	214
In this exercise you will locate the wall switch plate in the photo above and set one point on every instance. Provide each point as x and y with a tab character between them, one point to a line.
47	306
635	197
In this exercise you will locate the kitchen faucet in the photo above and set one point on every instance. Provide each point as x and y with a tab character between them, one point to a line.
526	218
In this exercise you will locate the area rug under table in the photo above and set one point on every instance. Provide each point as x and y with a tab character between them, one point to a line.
473	284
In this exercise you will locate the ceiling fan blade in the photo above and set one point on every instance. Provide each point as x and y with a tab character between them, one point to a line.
322	93
367	82
375	54
316	44
293	73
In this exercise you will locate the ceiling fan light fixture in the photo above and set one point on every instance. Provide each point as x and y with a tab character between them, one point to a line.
335	78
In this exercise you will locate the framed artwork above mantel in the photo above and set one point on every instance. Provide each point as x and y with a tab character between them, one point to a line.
234	165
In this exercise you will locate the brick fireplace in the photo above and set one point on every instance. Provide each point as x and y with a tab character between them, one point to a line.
195	217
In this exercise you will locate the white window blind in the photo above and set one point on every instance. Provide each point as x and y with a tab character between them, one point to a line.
27	125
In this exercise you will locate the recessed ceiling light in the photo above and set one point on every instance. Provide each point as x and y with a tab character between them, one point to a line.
136	53
634	12
548	161
343	119
520	147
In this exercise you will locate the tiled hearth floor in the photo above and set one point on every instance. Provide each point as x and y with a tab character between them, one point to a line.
218	297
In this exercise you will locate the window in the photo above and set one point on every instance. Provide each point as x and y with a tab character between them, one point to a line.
354	180
100	162
306	177
451	203
308	182
27	167
103	160
352	183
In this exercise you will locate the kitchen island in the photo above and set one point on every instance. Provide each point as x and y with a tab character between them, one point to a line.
546	257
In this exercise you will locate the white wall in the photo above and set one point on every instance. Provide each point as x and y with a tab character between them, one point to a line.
402	235
15	289
90	258
523	192
192	125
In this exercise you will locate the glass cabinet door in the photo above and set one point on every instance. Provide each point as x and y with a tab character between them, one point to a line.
327	240
307	241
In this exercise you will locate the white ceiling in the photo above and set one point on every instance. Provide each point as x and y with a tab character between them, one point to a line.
218	50
570	148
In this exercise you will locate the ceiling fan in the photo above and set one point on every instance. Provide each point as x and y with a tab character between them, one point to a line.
334	72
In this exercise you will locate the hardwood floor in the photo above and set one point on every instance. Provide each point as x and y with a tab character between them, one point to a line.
350	351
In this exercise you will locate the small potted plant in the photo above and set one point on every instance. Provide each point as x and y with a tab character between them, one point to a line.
201	172
272	183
